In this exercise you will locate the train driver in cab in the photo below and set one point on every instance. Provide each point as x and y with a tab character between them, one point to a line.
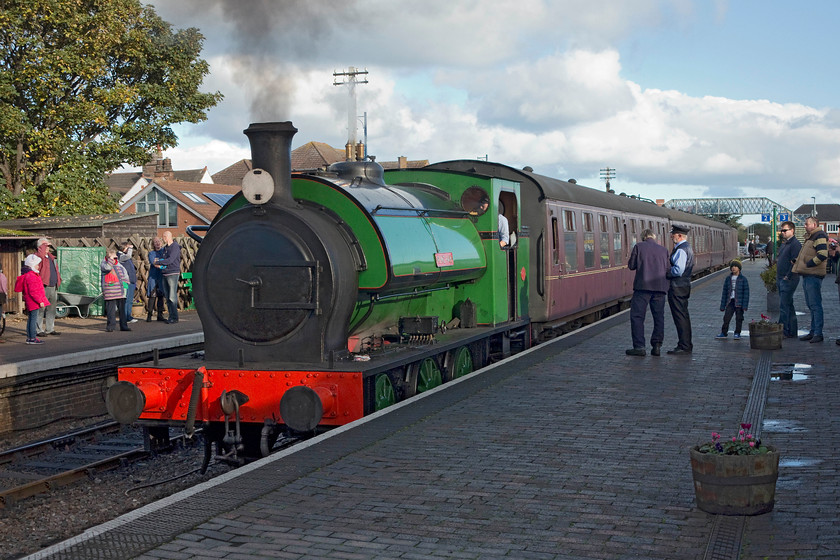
503	227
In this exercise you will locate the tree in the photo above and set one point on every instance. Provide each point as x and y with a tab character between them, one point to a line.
732	220
85	86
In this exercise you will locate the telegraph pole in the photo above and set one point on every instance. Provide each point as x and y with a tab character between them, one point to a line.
608	174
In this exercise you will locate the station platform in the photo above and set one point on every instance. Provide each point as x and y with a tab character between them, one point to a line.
84	340
570	450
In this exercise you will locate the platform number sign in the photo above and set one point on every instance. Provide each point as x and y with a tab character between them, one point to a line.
765	217
784	216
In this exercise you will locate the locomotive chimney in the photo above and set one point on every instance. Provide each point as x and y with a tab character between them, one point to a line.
271	150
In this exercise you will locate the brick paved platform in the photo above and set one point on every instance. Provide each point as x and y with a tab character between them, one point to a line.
572	450
80	335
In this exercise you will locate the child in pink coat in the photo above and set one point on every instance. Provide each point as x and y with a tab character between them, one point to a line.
34	297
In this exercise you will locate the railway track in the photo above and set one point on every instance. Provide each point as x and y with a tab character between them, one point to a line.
49	464
46	465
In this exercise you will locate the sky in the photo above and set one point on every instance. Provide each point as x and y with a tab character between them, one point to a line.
682	98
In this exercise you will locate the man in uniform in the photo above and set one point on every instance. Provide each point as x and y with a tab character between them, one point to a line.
682	263
650	261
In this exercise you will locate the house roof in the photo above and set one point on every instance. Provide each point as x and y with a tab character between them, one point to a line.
312	155
404	164
121	183
315	155
232	174
825	212
203	200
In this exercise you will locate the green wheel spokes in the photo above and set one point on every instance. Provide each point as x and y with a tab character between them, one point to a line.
429	376
385	396
462	362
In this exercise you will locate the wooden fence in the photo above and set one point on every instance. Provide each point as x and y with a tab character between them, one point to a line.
142	246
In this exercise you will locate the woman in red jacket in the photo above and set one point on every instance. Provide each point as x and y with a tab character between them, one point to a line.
34	298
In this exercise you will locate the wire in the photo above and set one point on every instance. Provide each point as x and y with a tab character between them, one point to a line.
157	482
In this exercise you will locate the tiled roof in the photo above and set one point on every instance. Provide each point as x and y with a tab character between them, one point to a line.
190	175
409	164
232	175
120	183
314	155
191	195
825	212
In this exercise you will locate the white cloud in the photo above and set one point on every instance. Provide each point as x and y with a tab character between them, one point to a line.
534	82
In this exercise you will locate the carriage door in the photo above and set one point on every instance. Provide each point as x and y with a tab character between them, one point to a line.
511	213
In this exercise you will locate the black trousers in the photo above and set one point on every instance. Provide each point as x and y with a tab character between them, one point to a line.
114	307
678	295
642	299
727	316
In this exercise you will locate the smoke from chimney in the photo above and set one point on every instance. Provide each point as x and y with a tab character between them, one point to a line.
273	38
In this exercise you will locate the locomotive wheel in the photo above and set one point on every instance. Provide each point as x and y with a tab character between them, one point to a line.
385	395
458	363
428	375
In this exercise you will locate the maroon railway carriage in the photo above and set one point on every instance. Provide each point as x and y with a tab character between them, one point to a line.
581	239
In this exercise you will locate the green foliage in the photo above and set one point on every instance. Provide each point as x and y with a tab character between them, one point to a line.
743	443
85	86
768	276
732	220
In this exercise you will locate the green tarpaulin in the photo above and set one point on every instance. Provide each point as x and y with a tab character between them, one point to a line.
79	269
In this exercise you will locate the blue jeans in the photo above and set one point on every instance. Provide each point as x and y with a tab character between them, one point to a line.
812	286
32	325
787	314
170	285
129	300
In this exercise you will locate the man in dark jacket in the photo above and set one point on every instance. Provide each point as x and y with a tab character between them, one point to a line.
52	281
650	261
786	280
170	265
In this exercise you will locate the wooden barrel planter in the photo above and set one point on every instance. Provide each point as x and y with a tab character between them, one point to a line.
735	484
766	336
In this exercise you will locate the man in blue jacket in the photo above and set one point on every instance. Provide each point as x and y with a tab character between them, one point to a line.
650	261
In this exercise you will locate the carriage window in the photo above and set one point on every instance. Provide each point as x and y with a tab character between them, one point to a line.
555	242
604	245
617	239
632	233
588	241
570	240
